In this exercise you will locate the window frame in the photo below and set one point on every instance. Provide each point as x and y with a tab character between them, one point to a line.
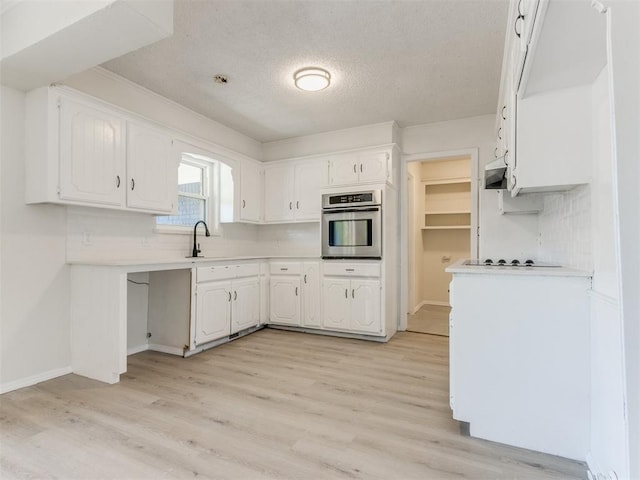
210	184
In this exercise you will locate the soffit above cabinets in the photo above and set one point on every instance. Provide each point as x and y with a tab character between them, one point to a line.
414	62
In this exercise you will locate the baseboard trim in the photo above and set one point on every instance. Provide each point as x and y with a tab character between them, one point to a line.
138	349
34	379
166	349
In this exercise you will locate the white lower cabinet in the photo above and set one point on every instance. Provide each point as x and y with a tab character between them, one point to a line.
213	314
227	301
285	299
295	294
351	298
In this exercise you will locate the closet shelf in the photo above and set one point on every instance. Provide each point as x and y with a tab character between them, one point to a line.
446	181
447	227
449	212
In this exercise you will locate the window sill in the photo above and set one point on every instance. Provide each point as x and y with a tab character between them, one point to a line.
182	230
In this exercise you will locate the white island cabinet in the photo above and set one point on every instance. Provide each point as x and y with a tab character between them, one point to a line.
519	356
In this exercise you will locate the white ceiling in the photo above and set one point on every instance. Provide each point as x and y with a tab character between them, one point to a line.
415	62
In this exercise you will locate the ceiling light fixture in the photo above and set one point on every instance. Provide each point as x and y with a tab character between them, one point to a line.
312	79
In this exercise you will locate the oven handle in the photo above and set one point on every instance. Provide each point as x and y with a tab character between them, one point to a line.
350	210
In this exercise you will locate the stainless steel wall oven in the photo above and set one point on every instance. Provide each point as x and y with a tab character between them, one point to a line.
352	225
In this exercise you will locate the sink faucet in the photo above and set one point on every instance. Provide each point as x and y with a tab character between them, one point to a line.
196	246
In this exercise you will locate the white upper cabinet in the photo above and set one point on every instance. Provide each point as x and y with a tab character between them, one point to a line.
292	191
306	190
360	168
82	151
152	169
251	192
554	52
92	155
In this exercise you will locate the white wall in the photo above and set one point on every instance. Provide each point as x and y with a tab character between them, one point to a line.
34	318
501	236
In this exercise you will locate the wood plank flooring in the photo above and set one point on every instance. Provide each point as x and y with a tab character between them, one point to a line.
275	404
432	319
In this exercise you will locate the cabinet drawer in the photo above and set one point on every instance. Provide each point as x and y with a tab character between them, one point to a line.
223	272
217	272
247	270
352	269
285	268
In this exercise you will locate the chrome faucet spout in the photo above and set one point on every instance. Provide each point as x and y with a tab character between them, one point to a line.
196	248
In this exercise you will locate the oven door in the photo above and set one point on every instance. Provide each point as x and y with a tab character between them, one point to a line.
352	233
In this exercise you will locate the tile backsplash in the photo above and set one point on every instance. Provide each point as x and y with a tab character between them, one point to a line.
565	229
100	234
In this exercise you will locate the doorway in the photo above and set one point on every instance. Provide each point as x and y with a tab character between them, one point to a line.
441	225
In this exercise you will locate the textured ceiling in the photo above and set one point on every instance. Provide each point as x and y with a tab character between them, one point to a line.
414	62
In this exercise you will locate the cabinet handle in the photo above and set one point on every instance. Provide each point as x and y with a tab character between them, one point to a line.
284	269
495	152
348	269
297	204
229	296
515	25
235	295
353	293
354	168
133	184
244	204
504	115
296	291
360	168
346	293
290	205
117	181
499	132
305	278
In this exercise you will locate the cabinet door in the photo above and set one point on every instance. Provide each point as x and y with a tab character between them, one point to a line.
285	300
311	295
92	158
152	170
278	193
308	180
365	306
213	314
373	167
343	170
251	190
246	304
336	300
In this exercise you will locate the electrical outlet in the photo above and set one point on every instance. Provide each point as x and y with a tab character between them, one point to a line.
87	239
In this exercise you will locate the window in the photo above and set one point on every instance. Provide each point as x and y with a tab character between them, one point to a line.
205	192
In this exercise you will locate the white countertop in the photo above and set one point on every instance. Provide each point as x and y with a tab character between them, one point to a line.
177	262
459	267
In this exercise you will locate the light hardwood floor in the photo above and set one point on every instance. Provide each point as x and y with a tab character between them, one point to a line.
275	404
432	319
